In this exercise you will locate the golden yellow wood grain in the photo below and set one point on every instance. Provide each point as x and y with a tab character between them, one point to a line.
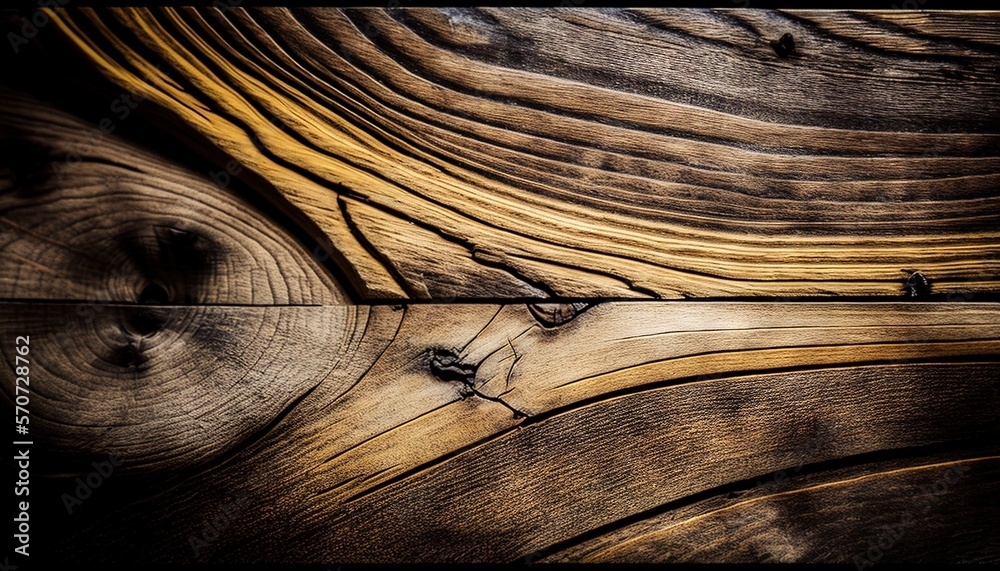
597	153
350	333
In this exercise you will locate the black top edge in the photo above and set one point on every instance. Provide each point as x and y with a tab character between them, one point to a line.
752	4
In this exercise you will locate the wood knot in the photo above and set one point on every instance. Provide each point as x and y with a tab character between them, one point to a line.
556	314
164	265
445	366
137	337
143	322
153	294
784	46
916	284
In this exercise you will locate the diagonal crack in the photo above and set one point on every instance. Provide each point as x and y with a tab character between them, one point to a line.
446	366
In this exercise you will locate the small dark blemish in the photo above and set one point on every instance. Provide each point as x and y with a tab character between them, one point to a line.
784	46
917	285
154	294
445	366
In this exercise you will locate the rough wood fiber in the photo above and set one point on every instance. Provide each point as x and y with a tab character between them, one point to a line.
116	223
597	153
500	156
911	510
479	432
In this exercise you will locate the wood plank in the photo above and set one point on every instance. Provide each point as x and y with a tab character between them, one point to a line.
382	433
545	166
596	153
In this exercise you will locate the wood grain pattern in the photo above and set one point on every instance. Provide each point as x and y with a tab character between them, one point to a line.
597	153
479	433
895	512
257	348
88	216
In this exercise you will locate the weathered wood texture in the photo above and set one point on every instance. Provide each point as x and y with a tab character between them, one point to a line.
894	512
189	283
489	433
114	222
596	153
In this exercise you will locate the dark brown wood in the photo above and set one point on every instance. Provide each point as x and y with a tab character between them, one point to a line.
595	153
476	433
892	512
350	285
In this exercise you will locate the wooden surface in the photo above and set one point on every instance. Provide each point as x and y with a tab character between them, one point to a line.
367	276
122	224
474	432
911	510
596	153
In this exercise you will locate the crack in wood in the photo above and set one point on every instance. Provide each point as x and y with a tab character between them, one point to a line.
445	365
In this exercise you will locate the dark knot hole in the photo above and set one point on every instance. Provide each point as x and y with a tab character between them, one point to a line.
154	294
784	46
144	321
